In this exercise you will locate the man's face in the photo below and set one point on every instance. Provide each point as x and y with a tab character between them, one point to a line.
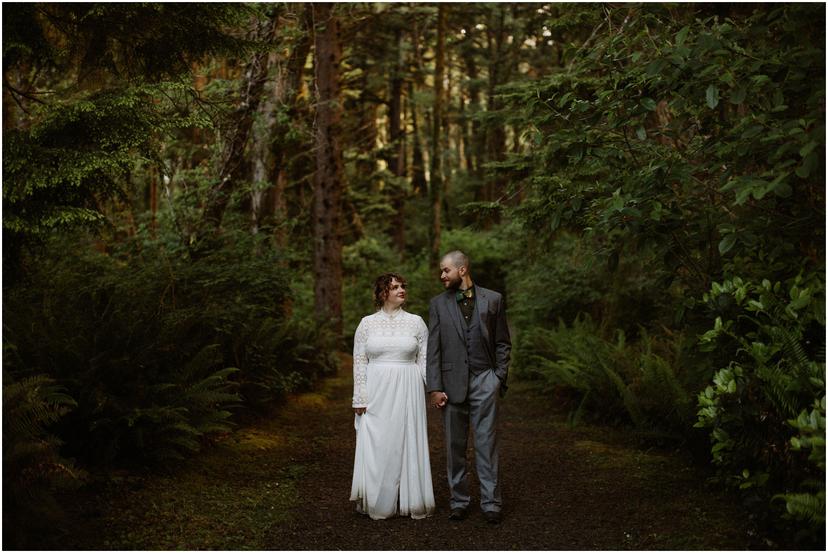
450	276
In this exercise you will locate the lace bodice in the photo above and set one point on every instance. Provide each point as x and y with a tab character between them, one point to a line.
400	337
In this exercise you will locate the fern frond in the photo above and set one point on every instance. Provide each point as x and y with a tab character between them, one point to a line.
805	506
31	404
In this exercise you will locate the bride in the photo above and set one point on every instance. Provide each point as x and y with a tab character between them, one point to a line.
392	472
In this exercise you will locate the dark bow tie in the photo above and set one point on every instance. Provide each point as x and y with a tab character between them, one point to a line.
462	294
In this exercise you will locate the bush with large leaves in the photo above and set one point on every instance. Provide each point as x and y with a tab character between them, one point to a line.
691	141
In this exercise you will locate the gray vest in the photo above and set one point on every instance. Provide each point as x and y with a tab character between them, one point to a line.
475	350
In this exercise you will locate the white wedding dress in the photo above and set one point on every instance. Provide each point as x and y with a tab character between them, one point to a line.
392	471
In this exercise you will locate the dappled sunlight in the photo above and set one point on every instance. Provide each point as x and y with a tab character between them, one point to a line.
252	438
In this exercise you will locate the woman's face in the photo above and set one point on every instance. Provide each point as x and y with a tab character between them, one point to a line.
396	294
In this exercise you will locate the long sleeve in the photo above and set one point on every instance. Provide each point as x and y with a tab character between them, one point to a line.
503	344
434	374
422	347
360	398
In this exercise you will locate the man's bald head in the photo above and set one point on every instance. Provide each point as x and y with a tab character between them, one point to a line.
458	259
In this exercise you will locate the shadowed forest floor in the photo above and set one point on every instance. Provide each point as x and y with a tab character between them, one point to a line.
284	482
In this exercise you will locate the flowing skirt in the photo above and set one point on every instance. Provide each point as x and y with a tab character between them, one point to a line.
392	471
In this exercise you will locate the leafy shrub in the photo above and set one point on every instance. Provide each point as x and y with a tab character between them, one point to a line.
32	465
156	347
774	386
611	379
694	139
809	505
573	275
283	356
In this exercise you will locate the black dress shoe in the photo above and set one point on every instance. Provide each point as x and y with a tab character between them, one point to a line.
458	513
492	517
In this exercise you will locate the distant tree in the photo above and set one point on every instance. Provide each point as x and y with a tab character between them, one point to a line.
88	91
328	181
436	184
232	169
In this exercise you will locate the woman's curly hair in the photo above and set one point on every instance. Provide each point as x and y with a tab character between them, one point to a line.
383	285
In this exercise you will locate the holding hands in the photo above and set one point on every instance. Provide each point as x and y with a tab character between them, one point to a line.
438	399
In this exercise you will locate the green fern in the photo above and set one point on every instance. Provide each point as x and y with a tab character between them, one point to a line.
614	378
32	404
32	466
805	506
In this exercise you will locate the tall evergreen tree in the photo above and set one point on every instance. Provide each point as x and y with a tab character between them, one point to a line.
328	181
436	183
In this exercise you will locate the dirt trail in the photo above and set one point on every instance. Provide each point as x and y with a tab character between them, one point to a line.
283	483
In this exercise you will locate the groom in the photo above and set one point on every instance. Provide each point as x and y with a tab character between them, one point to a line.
467	364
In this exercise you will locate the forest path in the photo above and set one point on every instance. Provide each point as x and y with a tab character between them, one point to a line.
283	483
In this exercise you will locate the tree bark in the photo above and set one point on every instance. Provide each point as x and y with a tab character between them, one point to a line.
153	201
418	177
475	152
446	120
328	183
495	137
396	161
436	185
262	153
232	159
288	86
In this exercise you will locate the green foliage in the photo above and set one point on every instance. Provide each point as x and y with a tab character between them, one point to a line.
366	259
809	505
765	392
32	465
811	436
641	158
57	170
489	252
572	275
156	347
130	41
96	87
611	379
677	148
283	356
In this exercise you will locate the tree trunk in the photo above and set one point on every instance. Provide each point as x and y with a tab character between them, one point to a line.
462	133
288	86
396	161
366	132
492	140
446	119
232	159
262	153
436	187
418	177
328	184
477	145
495	135
153	201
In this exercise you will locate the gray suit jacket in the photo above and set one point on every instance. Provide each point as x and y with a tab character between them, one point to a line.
447	368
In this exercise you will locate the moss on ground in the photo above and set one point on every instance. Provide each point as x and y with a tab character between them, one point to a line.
282	482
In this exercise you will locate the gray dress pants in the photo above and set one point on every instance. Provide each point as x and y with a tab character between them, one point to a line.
480	408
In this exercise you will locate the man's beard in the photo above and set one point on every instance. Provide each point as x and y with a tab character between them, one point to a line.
454	282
